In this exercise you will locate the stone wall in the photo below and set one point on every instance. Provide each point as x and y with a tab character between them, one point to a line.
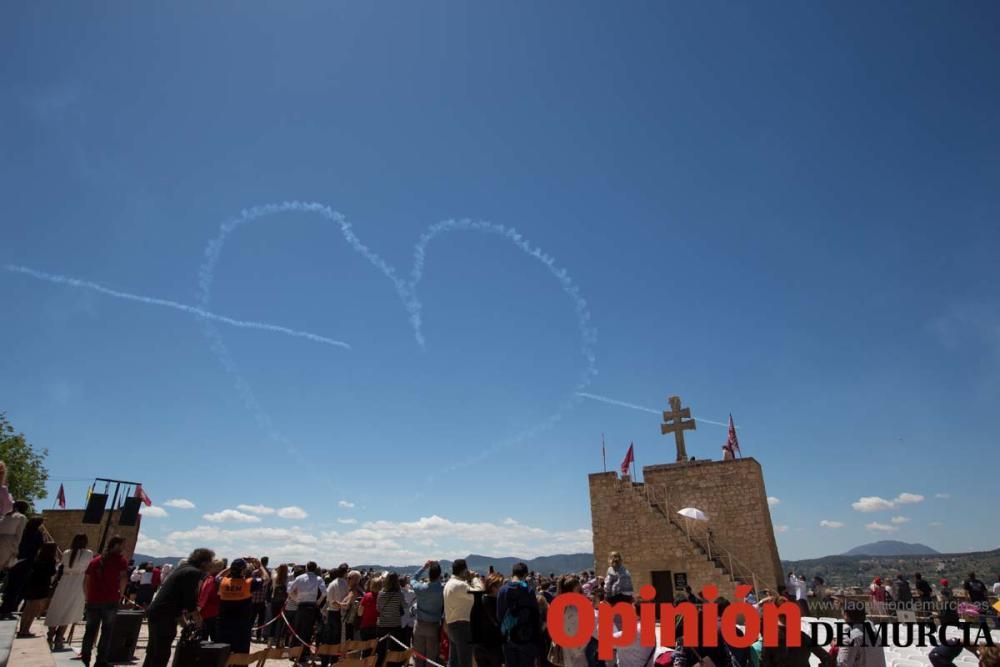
623	521
733	496
731	493
64	524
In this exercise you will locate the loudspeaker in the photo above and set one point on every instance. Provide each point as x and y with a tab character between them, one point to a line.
95	508
125	635
129	512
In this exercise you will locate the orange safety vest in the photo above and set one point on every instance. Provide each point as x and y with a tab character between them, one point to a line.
234	590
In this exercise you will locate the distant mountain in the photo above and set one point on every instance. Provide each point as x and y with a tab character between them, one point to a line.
156	560
891	548
558	564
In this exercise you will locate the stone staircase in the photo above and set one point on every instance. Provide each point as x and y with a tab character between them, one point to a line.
728	570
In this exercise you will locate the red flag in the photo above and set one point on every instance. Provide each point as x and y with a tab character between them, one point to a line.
629	458
141	495
732	444
61	498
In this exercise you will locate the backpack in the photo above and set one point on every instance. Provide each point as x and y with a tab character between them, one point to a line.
520	623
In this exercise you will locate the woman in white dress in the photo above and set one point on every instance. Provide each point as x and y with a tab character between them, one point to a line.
67	603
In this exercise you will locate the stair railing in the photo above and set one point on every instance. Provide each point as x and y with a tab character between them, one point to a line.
658	498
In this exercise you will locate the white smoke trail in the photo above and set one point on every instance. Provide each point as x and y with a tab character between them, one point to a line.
613	401
407	293
633	406
206	278
214	249
588	335
153	301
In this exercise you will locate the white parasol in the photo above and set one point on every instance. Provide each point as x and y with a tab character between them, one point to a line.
691	513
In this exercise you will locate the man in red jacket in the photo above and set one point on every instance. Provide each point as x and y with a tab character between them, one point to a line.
104	583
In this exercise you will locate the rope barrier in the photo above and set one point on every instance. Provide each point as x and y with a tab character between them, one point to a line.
261	627
315	647
415	652
296	635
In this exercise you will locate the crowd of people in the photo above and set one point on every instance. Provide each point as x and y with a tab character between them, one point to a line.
888	597
455	618
488	618
459	617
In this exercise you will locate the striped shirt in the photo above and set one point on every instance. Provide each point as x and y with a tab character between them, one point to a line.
390	609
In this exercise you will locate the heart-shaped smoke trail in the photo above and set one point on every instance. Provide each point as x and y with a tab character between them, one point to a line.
407	291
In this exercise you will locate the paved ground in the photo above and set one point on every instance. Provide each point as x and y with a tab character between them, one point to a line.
35	652
7	630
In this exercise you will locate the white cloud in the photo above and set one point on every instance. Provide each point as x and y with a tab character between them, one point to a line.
899	519
345	504
154	512
826	523
347	521
256	509
772	501
231	515
151	547
935	524
943	496
205	535
381	542
292	512
884	527
180	503
877	503
781	528
872	504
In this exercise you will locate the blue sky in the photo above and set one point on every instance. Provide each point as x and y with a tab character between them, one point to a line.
784	212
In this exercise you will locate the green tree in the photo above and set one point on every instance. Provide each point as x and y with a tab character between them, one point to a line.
26	471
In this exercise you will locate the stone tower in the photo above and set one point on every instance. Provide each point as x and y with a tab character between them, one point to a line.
736	545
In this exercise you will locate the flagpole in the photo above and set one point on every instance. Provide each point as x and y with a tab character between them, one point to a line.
635	477
604	454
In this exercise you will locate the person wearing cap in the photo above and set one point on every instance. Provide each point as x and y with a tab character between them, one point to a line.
947	609
236	587
878	595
